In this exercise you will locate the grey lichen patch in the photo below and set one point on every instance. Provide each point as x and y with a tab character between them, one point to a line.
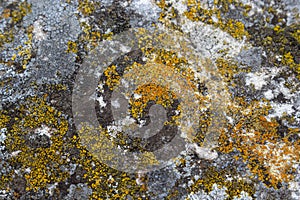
146	13
79	191
38	50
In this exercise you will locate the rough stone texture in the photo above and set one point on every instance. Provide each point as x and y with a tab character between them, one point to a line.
252	45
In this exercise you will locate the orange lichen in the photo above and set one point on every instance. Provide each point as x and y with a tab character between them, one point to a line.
150	92
268	155
6	13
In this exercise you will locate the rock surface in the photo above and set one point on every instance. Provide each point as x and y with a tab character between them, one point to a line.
220	76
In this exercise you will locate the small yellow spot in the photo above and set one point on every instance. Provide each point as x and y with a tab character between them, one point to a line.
72	47
13	57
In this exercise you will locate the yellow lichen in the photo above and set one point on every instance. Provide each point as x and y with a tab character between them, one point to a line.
4	119
72	47
212	176
24	53
296	35
105	181
17	15
6	37
112	77
268	156
167	14
86	7
91	36
235	28
23	9
288	60
43	162
42	165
